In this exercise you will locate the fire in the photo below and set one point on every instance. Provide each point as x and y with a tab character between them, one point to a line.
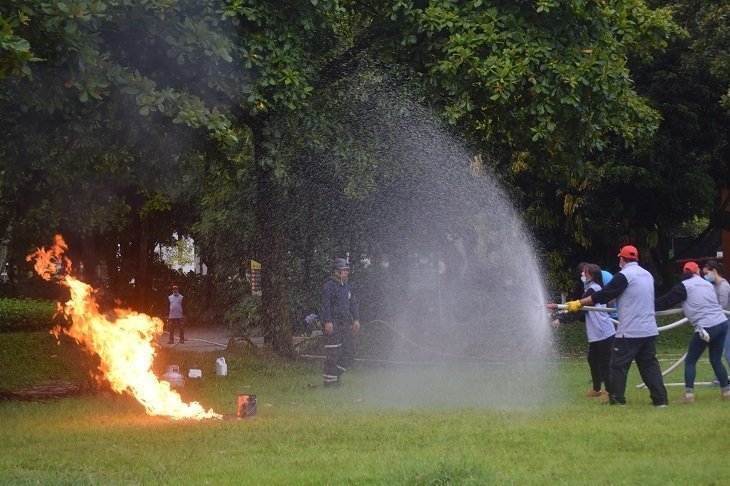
125	346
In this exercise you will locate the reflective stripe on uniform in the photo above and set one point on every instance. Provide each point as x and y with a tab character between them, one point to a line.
332	345
342	368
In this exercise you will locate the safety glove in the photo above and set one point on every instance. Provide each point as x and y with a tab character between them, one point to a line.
573	306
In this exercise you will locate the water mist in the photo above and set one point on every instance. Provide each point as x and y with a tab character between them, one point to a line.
456	314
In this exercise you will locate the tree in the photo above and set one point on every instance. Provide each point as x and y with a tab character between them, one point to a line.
647	194
547	88
540	89
100	114
124	94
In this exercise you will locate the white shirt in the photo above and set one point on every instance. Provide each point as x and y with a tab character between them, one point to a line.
176	308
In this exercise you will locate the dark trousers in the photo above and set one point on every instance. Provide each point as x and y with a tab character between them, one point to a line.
339	352
599	360
643	351
172	323
696	348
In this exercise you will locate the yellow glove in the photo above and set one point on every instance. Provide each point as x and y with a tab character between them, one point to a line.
573	305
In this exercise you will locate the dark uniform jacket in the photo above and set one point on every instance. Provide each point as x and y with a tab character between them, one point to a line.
339	304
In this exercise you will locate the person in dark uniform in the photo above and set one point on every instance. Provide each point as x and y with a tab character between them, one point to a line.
341	323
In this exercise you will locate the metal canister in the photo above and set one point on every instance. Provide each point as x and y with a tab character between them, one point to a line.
174	377
246	406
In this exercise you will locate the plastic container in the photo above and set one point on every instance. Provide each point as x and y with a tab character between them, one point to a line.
221	368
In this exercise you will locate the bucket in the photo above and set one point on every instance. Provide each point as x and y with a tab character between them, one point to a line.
246	406
221	368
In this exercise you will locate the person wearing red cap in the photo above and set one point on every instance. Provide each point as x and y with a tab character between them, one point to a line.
701	308
635	340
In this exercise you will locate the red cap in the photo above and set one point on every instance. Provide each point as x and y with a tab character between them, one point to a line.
692	267
629	251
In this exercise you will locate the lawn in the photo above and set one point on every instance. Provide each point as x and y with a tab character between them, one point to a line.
304	434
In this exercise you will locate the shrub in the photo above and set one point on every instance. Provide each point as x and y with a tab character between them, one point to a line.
26	314
244	317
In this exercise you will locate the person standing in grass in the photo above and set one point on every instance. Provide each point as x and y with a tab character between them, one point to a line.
341	322
176	316
599	330
633	289
701	308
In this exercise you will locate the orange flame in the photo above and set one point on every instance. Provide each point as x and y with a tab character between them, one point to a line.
125	346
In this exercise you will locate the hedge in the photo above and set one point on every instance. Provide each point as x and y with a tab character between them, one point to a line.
26	314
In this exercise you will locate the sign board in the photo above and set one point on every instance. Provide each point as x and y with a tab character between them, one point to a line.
255	278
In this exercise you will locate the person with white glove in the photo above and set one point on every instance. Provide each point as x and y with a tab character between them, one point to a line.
701	308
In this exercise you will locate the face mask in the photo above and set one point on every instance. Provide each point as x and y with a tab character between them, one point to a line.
710	278
583	279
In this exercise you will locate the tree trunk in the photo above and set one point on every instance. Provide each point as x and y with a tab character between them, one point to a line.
308	250
271	252
4	242
272	255
725	223
141	278
662	264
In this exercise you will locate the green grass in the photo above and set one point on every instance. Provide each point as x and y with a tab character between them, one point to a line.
309	435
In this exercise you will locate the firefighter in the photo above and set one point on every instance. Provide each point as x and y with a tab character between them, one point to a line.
341	323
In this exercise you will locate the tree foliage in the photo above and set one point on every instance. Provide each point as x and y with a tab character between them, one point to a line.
236	121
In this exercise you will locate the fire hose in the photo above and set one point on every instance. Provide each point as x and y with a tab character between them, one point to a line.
408	340
660	329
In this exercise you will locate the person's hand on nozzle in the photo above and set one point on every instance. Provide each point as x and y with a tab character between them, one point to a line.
328	328
573	306
356	326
